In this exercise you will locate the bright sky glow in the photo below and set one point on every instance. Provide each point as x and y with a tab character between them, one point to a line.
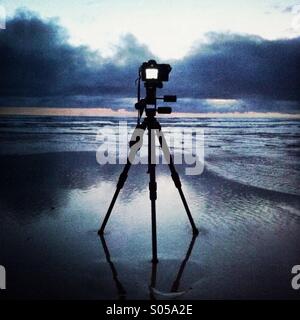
168	27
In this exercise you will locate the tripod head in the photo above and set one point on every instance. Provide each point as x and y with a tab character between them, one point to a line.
153	75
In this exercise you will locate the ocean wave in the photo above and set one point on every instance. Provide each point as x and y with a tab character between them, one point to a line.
262	190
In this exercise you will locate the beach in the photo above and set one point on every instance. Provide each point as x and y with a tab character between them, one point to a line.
54	195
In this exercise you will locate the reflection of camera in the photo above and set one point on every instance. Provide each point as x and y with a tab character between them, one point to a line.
155	72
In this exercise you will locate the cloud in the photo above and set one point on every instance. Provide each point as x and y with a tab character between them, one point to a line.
37	60
287	9
40	67
231	66
294	9
239	105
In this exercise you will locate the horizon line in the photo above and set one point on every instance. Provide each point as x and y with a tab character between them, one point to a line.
109	112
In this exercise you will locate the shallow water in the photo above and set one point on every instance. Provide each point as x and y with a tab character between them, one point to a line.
54	195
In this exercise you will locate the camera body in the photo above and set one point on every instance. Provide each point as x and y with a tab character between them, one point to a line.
152	71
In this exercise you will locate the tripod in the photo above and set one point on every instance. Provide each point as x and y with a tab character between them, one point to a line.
152	125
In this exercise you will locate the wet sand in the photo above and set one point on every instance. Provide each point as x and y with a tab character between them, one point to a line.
52	205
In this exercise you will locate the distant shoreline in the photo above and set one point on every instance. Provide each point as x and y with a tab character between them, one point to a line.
108	112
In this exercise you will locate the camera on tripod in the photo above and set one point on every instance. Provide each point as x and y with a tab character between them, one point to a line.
153	75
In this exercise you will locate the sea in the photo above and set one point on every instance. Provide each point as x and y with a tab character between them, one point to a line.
245	202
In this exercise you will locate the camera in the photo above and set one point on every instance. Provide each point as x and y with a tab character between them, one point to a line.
153	75
154	72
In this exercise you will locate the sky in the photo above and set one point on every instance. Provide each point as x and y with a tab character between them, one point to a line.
227	56
168	27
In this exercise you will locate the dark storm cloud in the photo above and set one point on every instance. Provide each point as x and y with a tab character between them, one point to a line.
234	66
37	60
39	65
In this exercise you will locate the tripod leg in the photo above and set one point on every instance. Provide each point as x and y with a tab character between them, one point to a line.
120	184
122	178
176	179
152	190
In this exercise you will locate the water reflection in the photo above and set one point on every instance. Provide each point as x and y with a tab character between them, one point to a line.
32	185
248	231
35	185
154	292
120	289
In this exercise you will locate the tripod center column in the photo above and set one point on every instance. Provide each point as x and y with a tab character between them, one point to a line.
152	164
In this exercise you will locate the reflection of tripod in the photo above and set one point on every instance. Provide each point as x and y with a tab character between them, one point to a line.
120	289
176	283
152	125
175	286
